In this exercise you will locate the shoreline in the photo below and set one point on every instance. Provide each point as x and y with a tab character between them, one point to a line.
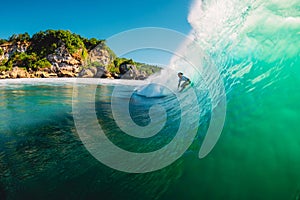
64	80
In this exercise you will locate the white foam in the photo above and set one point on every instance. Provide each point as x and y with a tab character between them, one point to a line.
153	90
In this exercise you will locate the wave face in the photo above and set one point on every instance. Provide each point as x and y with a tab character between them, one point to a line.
255	46
254	43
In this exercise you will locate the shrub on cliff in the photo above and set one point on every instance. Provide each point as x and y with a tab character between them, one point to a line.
43	63
2	41
120	61
27	61
19	37
3	68
91	43
3	62
22	60
44	43
148	69
114	66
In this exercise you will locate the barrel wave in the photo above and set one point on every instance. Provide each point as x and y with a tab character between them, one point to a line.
255	46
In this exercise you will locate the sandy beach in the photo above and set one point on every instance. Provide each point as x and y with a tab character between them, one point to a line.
97	81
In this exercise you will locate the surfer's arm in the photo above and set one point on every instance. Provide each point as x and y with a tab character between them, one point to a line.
179	83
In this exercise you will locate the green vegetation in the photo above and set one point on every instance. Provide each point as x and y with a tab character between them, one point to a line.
149	69
114	66
43	63
120	61
2	41
27	61
22	60
44	43
19	37
3	68
3	62
2	65
91	43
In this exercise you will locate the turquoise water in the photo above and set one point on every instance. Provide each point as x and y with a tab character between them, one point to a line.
42	156
254	44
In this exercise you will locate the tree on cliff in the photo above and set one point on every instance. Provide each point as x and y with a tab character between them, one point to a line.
19	37
44	43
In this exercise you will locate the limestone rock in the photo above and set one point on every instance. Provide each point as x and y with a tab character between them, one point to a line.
61	59
130	72
95	72
101	71
124	68
4	75
101	55
65	73
10	48
86	73
23	74
18	73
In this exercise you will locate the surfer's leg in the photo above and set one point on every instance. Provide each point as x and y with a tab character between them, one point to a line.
186	83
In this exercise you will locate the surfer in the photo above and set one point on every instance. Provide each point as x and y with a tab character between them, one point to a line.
186	81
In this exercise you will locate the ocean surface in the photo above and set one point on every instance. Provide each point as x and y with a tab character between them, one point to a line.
254	45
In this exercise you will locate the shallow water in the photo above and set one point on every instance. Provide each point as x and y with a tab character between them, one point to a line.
43	157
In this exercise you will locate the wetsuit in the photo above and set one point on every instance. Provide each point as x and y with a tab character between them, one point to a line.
186	82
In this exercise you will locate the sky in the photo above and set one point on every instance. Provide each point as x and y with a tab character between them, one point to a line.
91	18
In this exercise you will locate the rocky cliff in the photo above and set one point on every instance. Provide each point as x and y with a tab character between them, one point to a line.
9	48
64	54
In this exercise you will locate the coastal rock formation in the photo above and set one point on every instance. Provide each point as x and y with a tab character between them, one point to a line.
62	60
9	48
64	54
41	74
101	55
128	71
96	72
86	73
101	72
15	73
